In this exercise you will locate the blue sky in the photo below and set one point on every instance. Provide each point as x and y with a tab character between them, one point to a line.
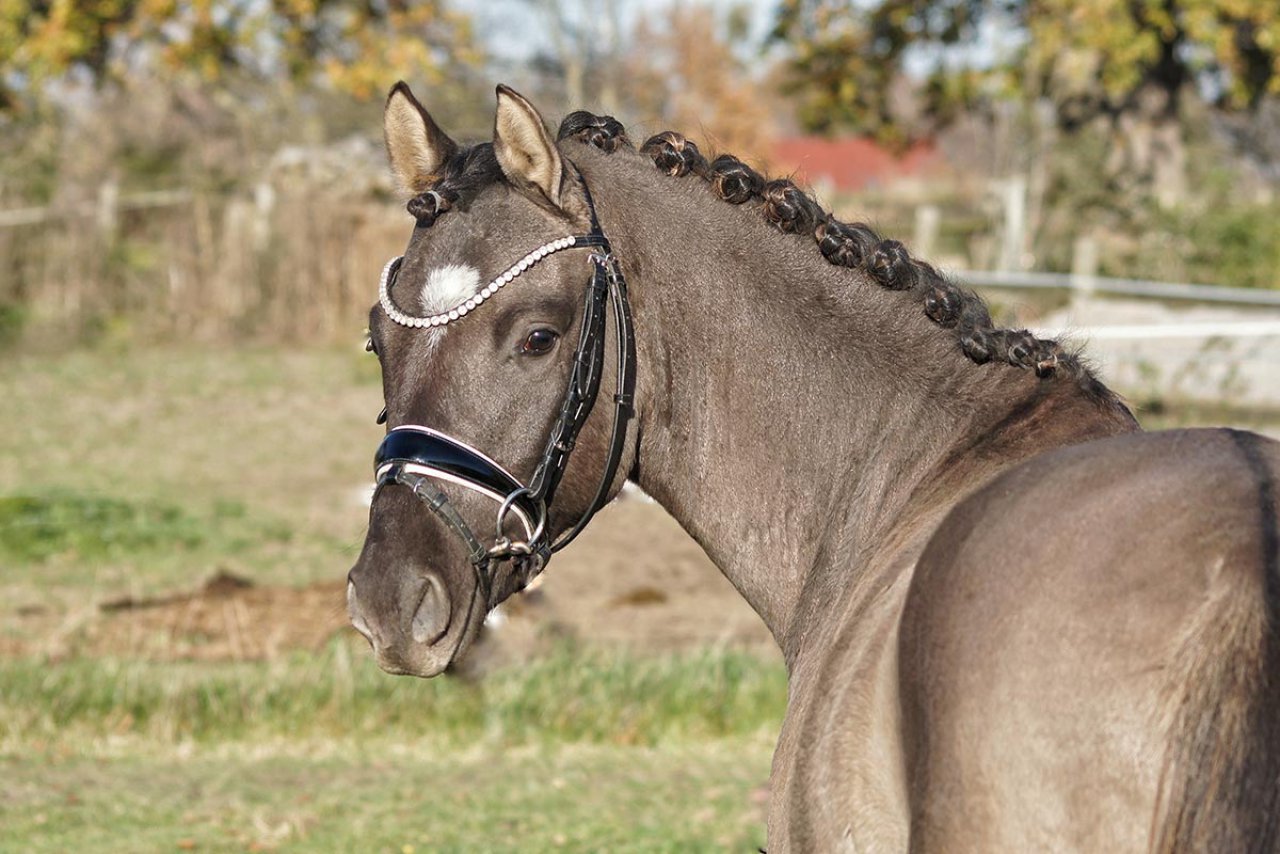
516	29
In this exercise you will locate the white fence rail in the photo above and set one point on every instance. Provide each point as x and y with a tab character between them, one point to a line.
1170	331
1161	339
1120	287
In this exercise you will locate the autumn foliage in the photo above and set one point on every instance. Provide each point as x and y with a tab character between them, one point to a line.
354	46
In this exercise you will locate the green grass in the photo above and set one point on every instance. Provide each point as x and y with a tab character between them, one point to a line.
397	799
145	472
570	696
140	472
89	528
580	751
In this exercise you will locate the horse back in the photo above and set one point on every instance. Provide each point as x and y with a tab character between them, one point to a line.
1068	631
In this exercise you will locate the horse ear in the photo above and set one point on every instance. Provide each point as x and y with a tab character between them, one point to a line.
524	147
416	146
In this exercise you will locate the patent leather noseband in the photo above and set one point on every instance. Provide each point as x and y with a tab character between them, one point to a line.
423	459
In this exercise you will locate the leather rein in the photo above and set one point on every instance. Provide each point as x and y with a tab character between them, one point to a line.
420	458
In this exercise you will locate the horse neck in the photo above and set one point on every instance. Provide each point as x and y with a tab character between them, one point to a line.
790	408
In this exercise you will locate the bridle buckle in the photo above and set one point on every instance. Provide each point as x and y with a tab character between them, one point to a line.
505	547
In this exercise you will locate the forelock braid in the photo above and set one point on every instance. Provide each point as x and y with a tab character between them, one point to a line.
427	207
604	132
461	177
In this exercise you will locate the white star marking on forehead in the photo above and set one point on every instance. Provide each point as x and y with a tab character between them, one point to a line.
448	286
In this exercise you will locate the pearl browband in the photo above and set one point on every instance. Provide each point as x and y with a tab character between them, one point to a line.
471	303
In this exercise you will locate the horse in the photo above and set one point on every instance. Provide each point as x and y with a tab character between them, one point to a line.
1011	619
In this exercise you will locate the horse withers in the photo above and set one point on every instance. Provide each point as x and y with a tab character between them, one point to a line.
1012	621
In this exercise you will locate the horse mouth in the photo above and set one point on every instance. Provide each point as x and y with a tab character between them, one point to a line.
441	634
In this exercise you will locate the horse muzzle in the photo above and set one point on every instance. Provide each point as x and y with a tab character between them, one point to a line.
418	608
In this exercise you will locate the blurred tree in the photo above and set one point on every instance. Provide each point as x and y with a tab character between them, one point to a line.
683	70
355	46
1133	64
584	41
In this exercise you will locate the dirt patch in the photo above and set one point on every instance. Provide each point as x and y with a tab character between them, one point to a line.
634	578
227	618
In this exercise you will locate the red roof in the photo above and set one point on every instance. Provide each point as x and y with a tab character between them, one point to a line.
852	163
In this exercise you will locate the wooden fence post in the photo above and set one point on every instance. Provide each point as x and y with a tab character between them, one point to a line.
1015	222
925	241
1084	267
264	202
108	216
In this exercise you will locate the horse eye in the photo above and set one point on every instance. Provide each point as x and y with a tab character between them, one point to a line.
539	342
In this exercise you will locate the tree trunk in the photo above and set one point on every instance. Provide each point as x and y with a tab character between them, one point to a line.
1149	153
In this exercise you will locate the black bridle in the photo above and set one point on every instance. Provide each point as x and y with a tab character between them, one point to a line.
419	457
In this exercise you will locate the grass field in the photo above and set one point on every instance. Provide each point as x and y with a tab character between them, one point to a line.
581	751
249	456
141	473
571	695
307	797
136	474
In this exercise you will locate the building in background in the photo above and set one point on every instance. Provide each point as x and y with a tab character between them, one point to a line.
853	164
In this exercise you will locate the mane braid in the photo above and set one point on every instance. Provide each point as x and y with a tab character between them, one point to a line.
852	245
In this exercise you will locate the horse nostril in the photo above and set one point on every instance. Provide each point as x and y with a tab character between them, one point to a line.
353	612
431	620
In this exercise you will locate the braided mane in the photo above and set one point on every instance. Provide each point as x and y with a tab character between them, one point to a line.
853	245
786	207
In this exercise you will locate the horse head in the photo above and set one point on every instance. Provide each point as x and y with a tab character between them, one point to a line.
491	332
